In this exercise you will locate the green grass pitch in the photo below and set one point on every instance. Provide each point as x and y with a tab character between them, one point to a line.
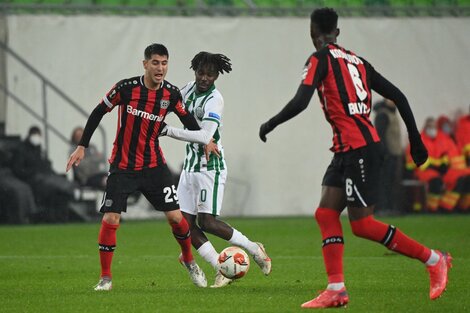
52	268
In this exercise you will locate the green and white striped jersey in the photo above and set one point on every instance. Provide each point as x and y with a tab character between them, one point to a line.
207	106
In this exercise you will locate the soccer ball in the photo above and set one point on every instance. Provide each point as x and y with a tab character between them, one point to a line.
233	262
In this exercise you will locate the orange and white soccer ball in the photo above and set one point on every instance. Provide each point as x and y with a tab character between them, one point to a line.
233	262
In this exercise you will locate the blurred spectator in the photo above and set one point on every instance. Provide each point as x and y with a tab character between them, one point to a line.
388	127
53	192
17	204
429	172
92	169
458	172
445	167
445	125
462	136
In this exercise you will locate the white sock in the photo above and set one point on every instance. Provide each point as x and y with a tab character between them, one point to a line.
208	253
433	259
238	239
335	286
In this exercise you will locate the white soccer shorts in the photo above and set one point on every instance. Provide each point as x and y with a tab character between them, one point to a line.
201	192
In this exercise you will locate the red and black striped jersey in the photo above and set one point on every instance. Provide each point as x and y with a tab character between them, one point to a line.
140	115
343	81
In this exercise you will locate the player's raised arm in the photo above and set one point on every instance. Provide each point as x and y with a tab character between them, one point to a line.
293	107
386	89
315	69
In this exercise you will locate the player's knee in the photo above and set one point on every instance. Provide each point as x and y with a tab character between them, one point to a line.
174	217
206	222
112	218
325	216
435	185
360	227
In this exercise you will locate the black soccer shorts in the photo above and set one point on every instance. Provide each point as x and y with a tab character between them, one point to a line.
156	184
358	173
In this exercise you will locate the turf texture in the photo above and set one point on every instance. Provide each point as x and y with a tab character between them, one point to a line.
52	268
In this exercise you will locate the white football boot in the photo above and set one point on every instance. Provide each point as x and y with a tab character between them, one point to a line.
262	259
195	272
105	284
221	280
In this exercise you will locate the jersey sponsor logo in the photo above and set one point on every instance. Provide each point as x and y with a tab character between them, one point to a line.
144	114
214	115
164	104
340	54
358	108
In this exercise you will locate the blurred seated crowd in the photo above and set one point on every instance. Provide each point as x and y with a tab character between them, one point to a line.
31	191
446	173
442	184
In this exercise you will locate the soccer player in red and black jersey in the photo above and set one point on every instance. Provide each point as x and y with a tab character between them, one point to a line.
137	162
345	82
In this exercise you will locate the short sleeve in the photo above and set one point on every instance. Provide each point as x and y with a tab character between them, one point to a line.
112	97
177	103
315	69
213	110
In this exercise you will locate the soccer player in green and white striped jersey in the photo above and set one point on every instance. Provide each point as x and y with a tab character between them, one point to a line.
202	181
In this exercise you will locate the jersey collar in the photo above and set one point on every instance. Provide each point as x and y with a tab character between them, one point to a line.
205	93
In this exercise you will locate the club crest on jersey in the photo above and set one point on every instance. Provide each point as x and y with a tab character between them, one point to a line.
358	108
164	104
199	112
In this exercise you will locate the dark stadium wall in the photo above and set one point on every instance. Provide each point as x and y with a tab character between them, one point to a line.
3	72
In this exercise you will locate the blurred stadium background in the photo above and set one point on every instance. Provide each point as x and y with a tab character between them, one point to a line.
59	57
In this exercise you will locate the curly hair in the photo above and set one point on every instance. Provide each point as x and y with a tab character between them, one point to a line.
219	61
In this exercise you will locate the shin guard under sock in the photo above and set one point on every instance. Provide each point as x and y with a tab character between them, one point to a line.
183	236
107	244
390	237
333	243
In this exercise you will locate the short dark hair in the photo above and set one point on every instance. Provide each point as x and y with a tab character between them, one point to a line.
34	130
219	61
326	19
155	48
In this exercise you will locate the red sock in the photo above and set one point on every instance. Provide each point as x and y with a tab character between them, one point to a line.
333	243
107	244
183	236
390	237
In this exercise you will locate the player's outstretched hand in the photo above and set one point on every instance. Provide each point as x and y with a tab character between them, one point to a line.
211	147
418	151
264	130
75	157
